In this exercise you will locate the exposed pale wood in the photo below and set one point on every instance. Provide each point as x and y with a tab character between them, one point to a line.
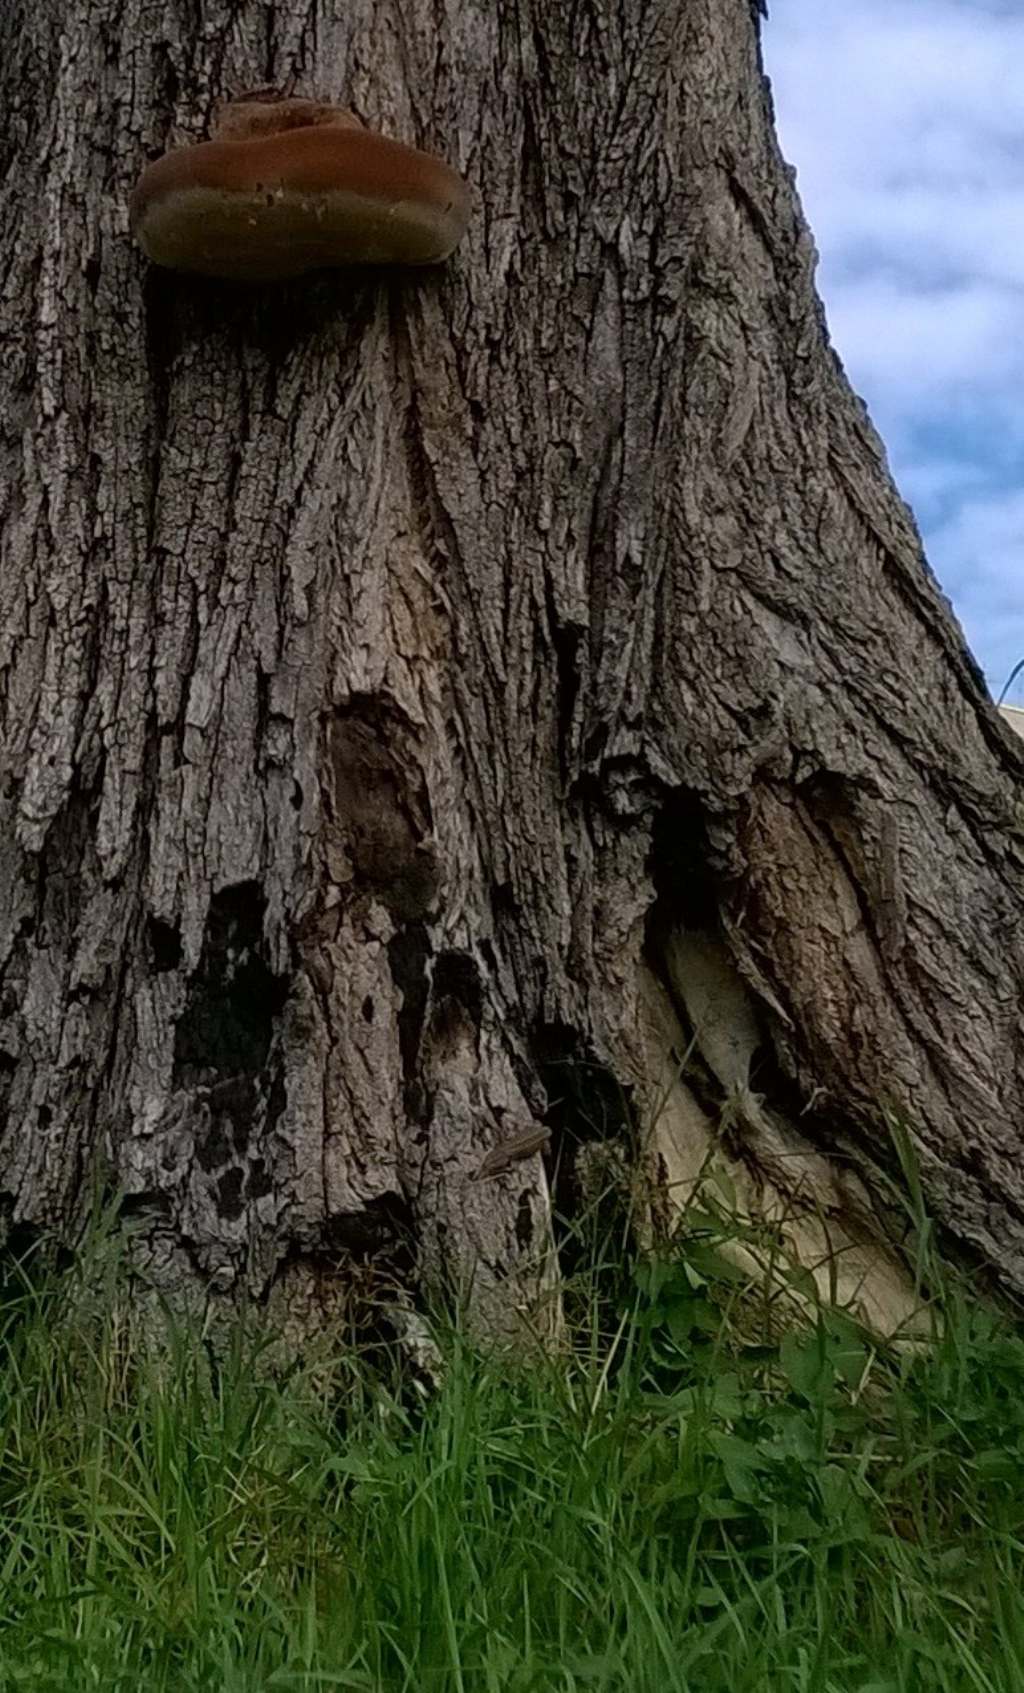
403	681
1014	716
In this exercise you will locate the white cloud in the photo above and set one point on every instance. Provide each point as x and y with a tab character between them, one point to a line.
924	229
927	347
940	487
905	119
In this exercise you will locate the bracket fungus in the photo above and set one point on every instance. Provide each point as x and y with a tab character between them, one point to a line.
287	186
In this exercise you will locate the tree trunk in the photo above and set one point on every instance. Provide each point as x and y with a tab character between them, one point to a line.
438	705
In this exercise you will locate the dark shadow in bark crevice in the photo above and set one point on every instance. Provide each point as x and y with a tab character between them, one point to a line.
688	885
234	998
588	1108
408	956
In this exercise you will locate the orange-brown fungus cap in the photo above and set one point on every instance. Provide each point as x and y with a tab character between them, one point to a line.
319	191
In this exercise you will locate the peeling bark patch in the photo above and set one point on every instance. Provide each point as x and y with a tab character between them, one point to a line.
234	996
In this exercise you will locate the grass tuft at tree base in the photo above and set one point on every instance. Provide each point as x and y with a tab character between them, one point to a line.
679	1505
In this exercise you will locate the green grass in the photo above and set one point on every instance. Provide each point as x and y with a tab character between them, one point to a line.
679	1505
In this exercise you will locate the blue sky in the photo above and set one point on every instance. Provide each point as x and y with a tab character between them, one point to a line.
905	121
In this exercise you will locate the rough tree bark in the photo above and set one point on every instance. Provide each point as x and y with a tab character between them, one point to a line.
434	706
